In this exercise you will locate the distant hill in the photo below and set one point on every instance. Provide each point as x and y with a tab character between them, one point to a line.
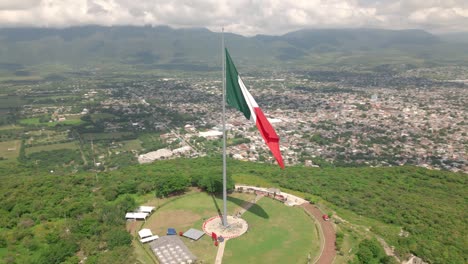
460	37
198	49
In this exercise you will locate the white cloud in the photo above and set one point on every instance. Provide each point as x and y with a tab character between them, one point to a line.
18	4
242	16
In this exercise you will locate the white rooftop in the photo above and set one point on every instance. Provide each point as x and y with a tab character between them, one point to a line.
274	120
145	233
136	215
145	209
182	149
211	133
194	234
154	155
149	239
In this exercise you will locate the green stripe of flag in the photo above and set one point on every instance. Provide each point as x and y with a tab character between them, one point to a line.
234	95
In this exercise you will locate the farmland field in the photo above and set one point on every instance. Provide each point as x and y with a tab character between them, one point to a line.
10	149
9	127
106	136
68	145
34	121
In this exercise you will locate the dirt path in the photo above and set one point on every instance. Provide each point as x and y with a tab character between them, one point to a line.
388	250
328	251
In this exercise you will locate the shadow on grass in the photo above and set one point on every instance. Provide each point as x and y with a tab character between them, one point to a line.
217	206
254	208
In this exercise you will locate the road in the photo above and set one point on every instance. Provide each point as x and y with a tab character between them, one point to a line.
328	251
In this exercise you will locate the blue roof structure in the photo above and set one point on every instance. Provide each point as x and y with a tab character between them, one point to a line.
171	231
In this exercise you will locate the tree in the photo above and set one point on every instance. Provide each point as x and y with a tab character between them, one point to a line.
213	183
370	251
118	237
3	242
58	253
168	184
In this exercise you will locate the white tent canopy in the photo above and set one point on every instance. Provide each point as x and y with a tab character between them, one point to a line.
148	239
140	216
145	233
145	209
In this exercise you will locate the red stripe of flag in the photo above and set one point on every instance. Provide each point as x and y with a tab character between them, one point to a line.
269	135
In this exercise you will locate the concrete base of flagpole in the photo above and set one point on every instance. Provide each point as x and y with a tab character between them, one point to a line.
235	228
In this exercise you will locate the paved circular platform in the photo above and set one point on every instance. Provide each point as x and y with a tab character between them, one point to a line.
236	227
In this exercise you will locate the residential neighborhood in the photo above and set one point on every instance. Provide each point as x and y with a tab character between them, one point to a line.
322	118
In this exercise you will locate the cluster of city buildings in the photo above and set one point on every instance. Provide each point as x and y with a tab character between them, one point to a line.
322	118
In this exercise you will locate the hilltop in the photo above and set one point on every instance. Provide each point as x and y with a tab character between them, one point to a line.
83	212
198	49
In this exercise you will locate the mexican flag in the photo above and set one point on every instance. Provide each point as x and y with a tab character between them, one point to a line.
239	97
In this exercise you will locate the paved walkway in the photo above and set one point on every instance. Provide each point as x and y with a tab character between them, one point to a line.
222	245
219	255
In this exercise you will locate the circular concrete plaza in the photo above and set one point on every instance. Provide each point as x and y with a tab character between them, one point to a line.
236	227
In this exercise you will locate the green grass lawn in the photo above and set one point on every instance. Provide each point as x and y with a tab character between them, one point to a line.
68	145
34	121
106	136
9	127
130	145
252	180
285	235
3	252
41	137
190	211
101	116
31	121
10	149
274	229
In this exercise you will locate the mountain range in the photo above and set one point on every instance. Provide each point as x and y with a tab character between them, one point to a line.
199	49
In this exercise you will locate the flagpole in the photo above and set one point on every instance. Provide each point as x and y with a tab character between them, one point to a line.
225	224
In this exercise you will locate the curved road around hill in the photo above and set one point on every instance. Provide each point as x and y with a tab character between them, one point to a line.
327	252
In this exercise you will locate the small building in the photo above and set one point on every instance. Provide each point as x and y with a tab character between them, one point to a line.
145	209
155	155
274	191
210	134
146	235
136	216
194	234
182	150
171	232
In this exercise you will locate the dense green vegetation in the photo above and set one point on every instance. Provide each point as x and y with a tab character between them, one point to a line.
428	204
85	211
370	251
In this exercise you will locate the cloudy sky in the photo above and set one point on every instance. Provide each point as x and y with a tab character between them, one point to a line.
247	17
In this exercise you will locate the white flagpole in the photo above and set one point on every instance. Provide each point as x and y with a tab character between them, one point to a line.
225	223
